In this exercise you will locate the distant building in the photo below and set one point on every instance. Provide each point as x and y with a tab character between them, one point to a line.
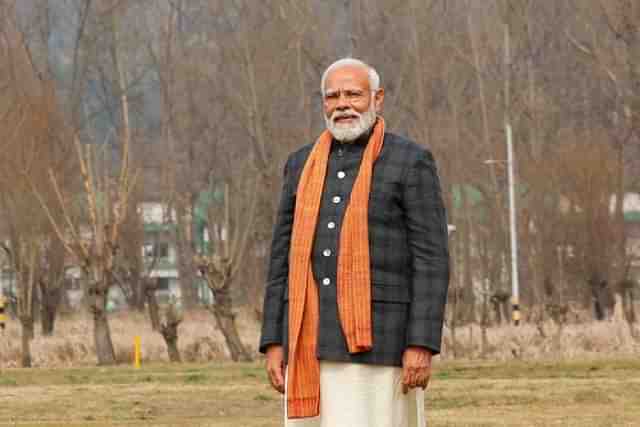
159	226
157	242
631	208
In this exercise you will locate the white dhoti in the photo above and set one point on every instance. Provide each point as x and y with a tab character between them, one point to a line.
358	395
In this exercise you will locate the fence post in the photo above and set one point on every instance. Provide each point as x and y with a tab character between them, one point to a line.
136	351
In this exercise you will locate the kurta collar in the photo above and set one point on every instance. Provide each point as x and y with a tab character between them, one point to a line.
358	144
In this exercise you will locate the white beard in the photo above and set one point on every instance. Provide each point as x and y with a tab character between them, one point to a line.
350	132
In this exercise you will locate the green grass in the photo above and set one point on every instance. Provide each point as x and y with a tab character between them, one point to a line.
580	393
7	381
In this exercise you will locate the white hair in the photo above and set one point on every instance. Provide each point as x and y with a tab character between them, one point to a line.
374	77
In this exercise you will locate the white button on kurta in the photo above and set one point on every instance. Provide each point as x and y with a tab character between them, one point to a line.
331	225
341	175
326	252
358	395
326	281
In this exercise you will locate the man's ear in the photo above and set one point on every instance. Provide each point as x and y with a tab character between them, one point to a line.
378	99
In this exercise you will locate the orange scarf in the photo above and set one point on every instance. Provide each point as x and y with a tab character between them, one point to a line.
354	276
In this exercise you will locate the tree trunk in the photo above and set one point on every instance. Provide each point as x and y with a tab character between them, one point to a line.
505	310
152	304
468	295
497	309
169	331
52	286
49	308
223	312
172	349
619	271
188	289
138	292
484	322
463	221
185	253
454	342
629	310
453	322
170	335
27	336
47	319
618	309
603	300
101	331
557	337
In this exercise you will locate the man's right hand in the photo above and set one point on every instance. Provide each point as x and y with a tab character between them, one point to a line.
275	366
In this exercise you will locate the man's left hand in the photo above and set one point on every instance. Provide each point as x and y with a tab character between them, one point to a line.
416	368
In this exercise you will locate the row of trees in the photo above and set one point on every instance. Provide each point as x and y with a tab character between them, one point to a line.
105	104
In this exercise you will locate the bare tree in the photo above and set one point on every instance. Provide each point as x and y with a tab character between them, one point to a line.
96	247
231	223
608	39
29	125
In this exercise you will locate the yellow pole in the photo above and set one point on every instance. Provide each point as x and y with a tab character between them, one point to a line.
136	351
3	316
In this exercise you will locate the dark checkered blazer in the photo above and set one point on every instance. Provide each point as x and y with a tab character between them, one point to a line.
408	251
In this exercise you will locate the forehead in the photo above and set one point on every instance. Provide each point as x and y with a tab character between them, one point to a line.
347	77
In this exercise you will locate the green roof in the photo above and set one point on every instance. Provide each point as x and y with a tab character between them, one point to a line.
205	198
474	195
163	264
152	227
633	216
201	215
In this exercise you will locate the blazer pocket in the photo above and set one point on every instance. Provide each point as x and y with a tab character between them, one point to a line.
389	318
390	293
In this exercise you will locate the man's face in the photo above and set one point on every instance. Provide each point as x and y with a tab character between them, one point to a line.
350	107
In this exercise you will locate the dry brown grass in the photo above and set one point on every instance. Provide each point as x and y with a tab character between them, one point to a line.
200	341
529	342
72	343
597	393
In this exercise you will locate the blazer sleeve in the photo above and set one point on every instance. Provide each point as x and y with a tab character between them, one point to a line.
428	246
278	273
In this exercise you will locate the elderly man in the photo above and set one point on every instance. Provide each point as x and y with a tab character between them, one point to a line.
359	267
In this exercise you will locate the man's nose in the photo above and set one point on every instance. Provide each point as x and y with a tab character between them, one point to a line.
343	103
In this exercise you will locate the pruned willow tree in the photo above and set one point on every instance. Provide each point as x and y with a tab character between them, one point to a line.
29	125
27	238
95	245
25	259
231	222
94	240
23	246
135	274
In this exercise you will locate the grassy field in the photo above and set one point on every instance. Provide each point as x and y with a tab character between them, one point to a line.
587	393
